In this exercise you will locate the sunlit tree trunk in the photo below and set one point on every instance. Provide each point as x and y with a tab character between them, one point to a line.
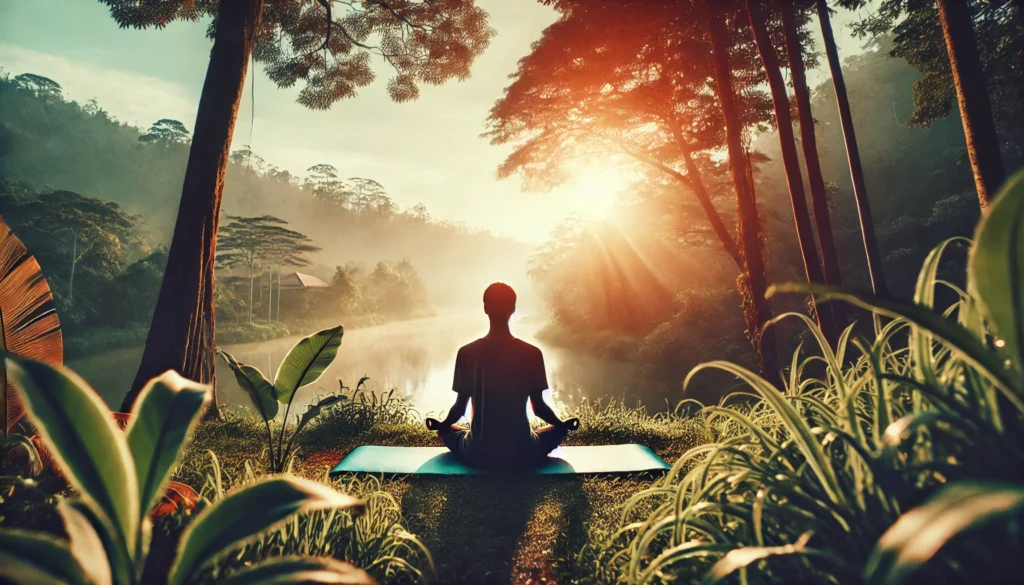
251	266
819	199
975	110
790	160
181	335
753	280
860	191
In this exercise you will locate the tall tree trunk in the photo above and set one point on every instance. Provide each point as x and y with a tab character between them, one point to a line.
819	199
270	296
975	110
860	191
278	310
752	281
251	262
791	161
181	336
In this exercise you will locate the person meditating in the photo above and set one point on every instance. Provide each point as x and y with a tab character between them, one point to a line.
499	373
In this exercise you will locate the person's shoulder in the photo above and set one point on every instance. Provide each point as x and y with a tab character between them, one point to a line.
471	347
527	347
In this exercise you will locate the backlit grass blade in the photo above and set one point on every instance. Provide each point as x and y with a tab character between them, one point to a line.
300	571
741	558
792	420
919	534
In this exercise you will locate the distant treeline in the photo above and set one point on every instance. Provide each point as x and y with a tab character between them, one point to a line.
50	143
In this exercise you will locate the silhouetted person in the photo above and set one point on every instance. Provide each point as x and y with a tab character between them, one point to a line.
499	373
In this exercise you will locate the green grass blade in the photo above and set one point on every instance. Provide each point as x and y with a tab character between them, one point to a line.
82	436
300	570
306	361
246	513
163	418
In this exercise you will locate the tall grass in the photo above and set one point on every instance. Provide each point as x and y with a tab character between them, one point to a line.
865	466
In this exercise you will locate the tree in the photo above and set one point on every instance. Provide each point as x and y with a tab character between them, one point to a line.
860	192
328	49
808	142
969	52
166	131
43	87
757	310
794	179
975	110
284	247
245	240
327	188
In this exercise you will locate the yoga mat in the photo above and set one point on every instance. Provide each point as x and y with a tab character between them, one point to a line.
439	461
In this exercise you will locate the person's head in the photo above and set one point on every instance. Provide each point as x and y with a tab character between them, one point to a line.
499	301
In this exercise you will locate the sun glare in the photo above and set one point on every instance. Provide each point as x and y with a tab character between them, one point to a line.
596	192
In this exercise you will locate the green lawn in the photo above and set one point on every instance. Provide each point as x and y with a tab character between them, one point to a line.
477	529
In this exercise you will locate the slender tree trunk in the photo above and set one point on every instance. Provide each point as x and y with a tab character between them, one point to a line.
270	296
791	161
819	199
181	336
250	290
860	192
752	281
975	110
279	293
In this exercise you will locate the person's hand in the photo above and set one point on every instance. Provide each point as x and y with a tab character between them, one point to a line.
572	424
435	425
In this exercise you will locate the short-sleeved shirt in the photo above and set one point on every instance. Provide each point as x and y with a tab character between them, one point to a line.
499	374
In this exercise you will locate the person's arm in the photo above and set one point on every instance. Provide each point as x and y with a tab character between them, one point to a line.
458	409
542	410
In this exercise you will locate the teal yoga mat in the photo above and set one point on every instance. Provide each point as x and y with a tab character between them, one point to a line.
439	461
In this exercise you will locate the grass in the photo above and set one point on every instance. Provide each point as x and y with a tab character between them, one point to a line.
477	530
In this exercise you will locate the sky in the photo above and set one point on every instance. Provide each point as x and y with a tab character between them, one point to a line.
428	151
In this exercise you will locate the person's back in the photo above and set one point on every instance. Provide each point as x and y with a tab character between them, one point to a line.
499	373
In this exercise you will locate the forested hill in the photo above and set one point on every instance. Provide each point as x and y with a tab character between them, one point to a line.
51	143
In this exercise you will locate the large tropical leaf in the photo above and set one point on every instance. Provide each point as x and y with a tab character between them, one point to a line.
28	319
996	267
85	543
261	392
119	560
36	558
246	513
920	533
300	571
306	362
81	435
162	420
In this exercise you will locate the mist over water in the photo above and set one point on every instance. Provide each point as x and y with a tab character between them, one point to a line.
416	358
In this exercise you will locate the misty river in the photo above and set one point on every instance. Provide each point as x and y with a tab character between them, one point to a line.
415	357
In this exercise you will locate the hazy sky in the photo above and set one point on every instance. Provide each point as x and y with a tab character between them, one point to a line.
426	151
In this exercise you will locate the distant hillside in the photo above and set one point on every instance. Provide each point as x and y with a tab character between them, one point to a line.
49	142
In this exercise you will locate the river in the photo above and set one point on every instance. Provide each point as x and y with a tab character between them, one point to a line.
416	358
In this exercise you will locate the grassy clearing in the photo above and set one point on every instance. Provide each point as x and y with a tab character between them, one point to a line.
479	530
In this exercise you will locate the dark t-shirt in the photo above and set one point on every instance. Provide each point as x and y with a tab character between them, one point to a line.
499	375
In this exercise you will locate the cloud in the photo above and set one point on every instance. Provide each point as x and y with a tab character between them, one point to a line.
130	97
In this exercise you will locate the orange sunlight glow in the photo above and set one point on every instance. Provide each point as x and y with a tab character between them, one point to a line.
596	192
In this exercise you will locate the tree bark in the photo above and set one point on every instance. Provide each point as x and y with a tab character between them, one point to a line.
752	281
181	335
809	143
975	109
860	191
791	161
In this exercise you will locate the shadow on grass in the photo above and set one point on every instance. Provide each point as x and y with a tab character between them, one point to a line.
502	529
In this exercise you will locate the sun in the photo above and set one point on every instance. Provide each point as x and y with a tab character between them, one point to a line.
595	193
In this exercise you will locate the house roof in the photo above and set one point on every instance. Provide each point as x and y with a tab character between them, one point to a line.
298	280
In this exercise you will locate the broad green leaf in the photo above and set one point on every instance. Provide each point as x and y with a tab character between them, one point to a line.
122	566
261	392
86	544
968	347
31	558
83	438
300	571
306	362
246	513
315	409
995	270
162	420
920	533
